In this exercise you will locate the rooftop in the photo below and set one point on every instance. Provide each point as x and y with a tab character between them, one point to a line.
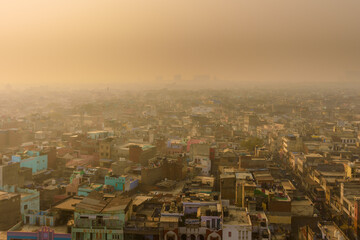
99	203
68	204
236	216
6	195
331	231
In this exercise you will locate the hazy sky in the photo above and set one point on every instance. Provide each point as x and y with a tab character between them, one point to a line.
87	41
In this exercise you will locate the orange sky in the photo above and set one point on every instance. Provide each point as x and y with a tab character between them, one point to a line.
118	41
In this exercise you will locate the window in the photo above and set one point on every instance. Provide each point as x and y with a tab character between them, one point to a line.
115	236
25	207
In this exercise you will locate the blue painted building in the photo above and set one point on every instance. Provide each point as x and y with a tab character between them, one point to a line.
33	160
117	182
132	184
86	189
29	201
121	183
39	218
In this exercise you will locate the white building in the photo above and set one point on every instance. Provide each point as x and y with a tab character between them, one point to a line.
236	224
203	163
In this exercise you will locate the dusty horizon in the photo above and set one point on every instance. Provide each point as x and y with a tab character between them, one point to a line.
141	43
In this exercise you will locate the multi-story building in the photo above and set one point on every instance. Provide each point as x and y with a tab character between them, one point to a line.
245	187
30	199
32	159
100	216
105	146
121	183
9	174
236	224
41	234
9	209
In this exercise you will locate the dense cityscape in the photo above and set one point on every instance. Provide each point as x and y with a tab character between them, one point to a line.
179	120
180	164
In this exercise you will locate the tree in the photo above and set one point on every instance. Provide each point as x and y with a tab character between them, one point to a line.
251	143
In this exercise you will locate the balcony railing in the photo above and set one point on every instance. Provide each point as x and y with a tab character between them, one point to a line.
99	223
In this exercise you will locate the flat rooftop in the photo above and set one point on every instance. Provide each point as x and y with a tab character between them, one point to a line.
6	195
287	185
68	205
237	216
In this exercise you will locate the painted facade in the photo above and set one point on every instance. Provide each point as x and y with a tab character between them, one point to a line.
43	233
117	182
33	160
122	183
40	218
29	201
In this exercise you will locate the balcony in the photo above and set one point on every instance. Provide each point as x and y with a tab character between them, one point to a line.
98	223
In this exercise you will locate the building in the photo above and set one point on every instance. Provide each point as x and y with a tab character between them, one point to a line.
9	209
32	159
10	138
101	134
329	230
101	216
30	199
39	218
260	226
43	233
203	217
137	152
227	186
236	224
249	162
121	183
9	174
302	206
245	188
161	168
105	146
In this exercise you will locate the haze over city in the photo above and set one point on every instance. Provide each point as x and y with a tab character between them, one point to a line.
87	43
180	120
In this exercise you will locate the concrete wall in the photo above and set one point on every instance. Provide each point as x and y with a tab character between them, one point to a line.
302	210
9	174
30	199
150	176
10	212
248	162
171	171
280	206
227	188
